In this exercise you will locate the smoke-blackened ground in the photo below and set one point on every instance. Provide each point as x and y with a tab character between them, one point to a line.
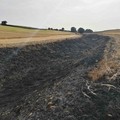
55	81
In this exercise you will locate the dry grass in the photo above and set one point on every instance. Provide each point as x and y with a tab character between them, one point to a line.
7	32
12	36
103	68
112	32
108	66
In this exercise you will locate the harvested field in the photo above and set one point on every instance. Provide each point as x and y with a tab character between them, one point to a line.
13	36
14	32
70	79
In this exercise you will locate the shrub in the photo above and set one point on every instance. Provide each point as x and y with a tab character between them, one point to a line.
4	23
89	31
73	29
63	29
81	30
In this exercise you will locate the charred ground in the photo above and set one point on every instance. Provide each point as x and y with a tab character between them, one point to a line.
54	81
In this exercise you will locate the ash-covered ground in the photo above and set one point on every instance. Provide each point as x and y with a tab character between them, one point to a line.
54	81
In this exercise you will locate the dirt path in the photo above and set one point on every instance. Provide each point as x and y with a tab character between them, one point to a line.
50	81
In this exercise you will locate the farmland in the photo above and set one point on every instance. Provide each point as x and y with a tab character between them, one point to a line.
10	36
59	75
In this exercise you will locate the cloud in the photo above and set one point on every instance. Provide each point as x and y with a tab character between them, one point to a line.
97	14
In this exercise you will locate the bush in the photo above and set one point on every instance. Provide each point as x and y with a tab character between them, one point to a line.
56	29
81	30
4	23
73	29
89	31
63	29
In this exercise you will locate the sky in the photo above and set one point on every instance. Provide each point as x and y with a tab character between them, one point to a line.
94	14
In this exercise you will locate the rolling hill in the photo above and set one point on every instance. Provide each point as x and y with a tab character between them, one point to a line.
10	36
69	77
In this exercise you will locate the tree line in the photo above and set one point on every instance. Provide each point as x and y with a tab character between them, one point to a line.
73	29
81	30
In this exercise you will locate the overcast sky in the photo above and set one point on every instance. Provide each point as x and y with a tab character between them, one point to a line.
94	14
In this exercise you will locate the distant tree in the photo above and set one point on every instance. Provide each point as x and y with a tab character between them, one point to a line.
4	23
81	30
48	28
73	29
56	29
88	31
63	29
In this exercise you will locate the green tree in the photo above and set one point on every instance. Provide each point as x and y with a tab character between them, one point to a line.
4	23
88	31
73	29
81	30
63	29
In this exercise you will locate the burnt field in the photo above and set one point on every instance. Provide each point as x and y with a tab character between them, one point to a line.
75	79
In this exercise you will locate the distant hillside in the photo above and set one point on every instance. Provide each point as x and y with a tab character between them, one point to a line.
114	31
19	31
18	35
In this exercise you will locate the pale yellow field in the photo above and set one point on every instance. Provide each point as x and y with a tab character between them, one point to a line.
112	32
11	36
